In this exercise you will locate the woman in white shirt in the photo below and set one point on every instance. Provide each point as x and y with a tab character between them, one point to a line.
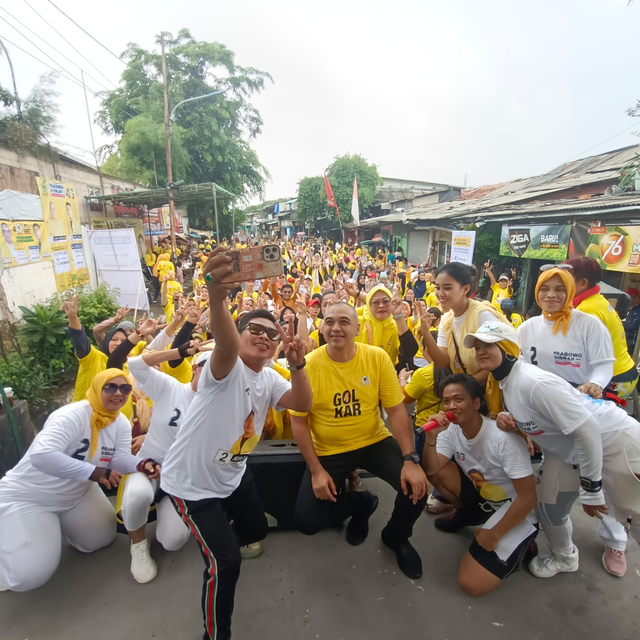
593	445
52	492
577	347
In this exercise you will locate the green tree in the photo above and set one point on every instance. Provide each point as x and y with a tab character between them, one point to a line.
312	195
29	134
211	137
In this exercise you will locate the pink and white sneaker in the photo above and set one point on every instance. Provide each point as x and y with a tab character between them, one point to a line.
615	562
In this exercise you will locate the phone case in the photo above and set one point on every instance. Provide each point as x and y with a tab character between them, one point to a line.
255	263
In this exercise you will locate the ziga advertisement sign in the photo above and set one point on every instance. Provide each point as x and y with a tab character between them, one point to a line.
539	242
615	248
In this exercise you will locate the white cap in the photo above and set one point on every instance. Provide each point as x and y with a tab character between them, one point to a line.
492	332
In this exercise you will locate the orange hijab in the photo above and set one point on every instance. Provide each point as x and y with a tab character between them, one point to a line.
563	316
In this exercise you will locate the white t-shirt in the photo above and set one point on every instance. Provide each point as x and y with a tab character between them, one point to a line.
484	316
491	460
171	399
54	472
222	426
585	354
550	411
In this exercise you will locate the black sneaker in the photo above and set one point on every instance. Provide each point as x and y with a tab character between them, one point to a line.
358	527
408	558
453	522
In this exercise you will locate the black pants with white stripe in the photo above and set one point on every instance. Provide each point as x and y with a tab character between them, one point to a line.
220	542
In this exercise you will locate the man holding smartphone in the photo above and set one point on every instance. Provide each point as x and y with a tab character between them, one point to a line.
206	472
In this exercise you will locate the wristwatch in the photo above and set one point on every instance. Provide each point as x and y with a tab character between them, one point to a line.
398	316
412	457
300	366
590	486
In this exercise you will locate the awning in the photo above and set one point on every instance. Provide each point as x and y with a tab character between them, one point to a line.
272	222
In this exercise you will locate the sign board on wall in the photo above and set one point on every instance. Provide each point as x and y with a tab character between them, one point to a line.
63	232
118	265
462	246
540	242
615	248
123	223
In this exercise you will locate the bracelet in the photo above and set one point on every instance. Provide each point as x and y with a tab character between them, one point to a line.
138	332
398	316
435	444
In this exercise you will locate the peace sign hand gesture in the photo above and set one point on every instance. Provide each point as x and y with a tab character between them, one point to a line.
292	346
70	305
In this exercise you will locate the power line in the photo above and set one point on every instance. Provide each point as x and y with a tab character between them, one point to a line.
635	124
41	38
82	29
45	53
72	46
44	63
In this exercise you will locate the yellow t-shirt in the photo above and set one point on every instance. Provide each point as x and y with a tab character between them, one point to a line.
500	294
414	327
164	266
172	287
149	259
432	301
516	320
345	414
597	305
420	388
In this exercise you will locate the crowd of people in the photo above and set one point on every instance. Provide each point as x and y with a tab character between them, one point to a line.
331	354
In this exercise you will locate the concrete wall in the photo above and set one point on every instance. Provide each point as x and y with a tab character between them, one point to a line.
27	285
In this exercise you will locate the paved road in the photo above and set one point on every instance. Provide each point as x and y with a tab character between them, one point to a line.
321	588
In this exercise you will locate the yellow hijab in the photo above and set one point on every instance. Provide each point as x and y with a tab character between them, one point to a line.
493	394
100	418
380	333
563	316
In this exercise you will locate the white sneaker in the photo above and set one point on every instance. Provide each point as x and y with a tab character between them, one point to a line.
436	506
143	568
249	551
547	567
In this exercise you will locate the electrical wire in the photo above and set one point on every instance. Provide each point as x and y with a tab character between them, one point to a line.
85	31
41	38
76	50
581	154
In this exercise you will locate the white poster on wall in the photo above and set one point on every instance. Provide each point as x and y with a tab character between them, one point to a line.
462	246
118	265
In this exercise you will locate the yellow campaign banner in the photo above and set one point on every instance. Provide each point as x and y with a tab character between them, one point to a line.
23	242
123	223
615	248
64	233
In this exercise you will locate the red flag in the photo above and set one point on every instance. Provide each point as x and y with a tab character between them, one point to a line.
331	200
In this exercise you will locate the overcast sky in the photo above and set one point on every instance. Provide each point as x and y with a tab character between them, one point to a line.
434	90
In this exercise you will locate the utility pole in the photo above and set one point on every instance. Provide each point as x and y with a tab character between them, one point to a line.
167	134
13	78
93	144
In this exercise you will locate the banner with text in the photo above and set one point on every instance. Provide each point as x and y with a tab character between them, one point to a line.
462	246
63	232
123	223
615	248
540	242
23	242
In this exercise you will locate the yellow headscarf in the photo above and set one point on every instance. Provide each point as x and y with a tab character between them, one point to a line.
563	316
380	333
100	418
493	394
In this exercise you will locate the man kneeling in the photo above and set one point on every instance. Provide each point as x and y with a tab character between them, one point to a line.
491	482
344	431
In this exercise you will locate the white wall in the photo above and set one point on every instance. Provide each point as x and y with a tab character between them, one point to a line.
27	285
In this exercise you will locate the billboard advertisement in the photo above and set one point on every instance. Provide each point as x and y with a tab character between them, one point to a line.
540	242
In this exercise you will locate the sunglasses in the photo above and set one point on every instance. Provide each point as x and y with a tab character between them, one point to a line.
564	267
112	387
258	330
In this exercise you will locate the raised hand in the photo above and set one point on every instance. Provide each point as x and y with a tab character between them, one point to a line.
148	327
217	266
292	346
121	313
301	306
70	305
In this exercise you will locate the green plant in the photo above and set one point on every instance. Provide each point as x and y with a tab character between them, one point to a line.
95	305
44	330
27	379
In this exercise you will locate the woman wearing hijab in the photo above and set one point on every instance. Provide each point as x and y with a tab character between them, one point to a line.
92	360
52	492
591	448
577	347
383	324
587	273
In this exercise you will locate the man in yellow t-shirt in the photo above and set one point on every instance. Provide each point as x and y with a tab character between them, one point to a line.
501	288
172	294
344	431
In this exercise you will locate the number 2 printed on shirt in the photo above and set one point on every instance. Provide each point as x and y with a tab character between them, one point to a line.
227	459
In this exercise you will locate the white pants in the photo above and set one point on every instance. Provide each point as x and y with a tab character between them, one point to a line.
558	486
31	537
139	492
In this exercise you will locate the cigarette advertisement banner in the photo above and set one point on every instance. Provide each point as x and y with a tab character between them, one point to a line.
540	242
123	223
63	233
615	248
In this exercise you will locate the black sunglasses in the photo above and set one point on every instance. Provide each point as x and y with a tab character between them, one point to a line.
258	330
112	387
564	267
